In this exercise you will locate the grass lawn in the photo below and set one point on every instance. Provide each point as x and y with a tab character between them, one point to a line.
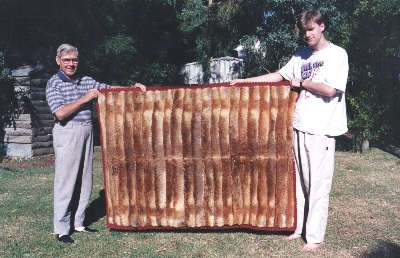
364	218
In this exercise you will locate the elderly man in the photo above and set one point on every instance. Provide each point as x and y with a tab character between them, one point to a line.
70	97
319	71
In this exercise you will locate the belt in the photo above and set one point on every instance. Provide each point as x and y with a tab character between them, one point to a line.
73	123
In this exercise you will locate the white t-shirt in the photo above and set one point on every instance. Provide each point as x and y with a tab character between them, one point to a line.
318	114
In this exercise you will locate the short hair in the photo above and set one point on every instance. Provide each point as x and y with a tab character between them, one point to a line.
311	16
66	48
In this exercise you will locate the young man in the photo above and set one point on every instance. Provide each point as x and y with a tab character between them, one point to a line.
320	73
70	95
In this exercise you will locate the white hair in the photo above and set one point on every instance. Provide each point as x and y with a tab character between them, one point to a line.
66	48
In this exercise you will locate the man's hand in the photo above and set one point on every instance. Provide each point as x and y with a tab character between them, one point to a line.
233	82
91	94
139	85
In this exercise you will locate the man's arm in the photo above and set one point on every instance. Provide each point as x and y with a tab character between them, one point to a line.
270	77
316	87
71	108
137	85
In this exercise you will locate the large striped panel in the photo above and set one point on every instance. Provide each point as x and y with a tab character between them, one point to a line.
201	157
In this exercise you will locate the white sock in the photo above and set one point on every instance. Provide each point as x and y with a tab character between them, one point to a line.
79	228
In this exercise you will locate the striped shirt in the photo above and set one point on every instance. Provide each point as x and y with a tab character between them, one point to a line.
61	91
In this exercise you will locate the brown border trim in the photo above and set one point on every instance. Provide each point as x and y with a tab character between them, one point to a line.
200	86
169	228
216	228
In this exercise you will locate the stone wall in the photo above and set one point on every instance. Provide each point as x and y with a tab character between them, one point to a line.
34	122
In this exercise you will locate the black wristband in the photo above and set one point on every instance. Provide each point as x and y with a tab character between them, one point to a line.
301	83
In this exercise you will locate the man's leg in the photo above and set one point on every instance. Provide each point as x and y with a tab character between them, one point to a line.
87	175
321	151
68	155
301	164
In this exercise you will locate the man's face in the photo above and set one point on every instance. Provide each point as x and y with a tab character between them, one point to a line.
68	63
312	33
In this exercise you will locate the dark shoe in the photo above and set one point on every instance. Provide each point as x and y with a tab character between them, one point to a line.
65	239
87	230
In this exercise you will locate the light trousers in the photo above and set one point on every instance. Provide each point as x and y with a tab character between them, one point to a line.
314	156
73	179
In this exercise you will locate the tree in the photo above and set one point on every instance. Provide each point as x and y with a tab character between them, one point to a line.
373	44
277	36
214	29
8	100
125	41
118	39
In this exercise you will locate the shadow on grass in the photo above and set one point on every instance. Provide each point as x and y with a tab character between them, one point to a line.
96	209
387	147
9	169
344	143
383	249
213	230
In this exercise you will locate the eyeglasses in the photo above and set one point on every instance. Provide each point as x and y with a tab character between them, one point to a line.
67	60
